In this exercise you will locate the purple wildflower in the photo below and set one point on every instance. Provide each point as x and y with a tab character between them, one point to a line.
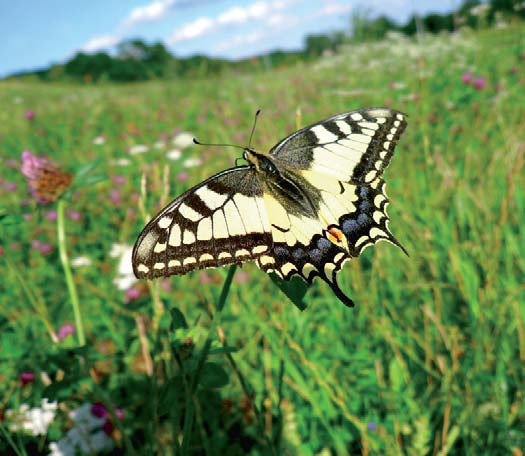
36	243
27	377
479	83
67	329
46	181
241	277
205	278
51	215
119	180
29	115
108	427
467	77
132	294
372	426
99	410
10	186
115	196
165	284
45	248
27	217
182	176
12	163
74	215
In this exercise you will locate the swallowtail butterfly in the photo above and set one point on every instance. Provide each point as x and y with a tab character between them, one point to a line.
315	201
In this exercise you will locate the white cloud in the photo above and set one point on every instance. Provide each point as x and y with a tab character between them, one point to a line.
333	7
192	30
100	42
147	13
236	15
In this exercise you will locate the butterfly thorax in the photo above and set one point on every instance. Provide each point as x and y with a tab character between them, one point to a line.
261	162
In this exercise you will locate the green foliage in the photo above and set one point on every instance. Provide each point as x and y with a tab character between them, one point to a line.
430	361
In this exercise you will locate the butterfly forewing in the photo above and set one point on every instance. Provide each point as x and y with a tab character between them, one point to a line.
356	146
221	221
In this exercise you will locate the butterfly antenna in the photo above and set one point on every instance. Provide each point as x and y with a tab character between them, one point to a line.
253	128
195	141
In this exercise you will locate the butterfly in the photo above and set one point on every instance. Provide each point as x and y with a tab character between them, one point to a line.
313	202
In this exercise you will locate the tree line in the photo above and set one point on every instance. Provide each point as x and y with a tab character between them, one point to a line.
136	60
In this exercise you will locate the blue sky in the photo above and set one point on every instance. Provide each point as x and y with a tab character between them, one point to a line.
35	33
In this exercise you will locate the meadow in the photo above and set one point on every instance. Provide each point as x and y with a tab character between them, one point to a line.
431	361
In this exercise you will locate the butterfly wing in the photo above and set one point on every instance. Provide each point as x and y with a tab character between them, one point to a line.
351	147
220	221
338	164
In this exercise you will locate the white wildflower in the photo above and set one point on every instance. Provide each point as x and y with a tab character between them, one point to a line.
120	162
191	162
480	10
398	85
34	420
183	140
125	278
86	435
173	154
99	140
138	149
159	145
81	261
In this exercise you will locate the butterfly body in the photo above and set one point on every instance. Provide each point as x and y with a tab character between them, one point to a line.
313	202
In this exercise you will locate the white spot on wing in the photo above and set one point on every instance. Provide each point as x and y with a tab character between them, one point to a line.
220	231
233	219
259	249
188	237
175	236
212	199
189	213
143	268
356	116
164	222
248	209
287	268
159	248
343	126
329	271
204	230
323	135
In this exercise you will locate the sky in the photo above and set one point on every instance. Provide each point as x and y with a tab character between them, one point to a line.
36	33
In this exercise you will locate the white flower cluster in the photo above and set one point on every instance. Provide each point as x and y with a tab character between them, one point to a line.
34	420
86	436
125	277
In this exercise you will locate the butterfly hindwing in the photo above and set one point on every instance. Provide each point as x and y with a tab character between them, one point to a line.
221	221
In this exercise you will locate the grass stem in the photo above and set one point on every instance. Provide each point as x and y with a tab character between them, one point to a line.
64	259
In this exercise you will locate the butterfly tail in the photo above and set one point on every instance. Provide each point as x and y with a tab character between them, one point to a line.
338	292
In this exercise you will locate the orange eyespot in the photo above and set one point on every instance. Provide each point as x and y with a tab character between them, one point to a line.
335	234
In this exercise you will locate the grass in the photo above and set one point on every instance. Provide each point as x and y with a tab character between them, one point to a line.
431	360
